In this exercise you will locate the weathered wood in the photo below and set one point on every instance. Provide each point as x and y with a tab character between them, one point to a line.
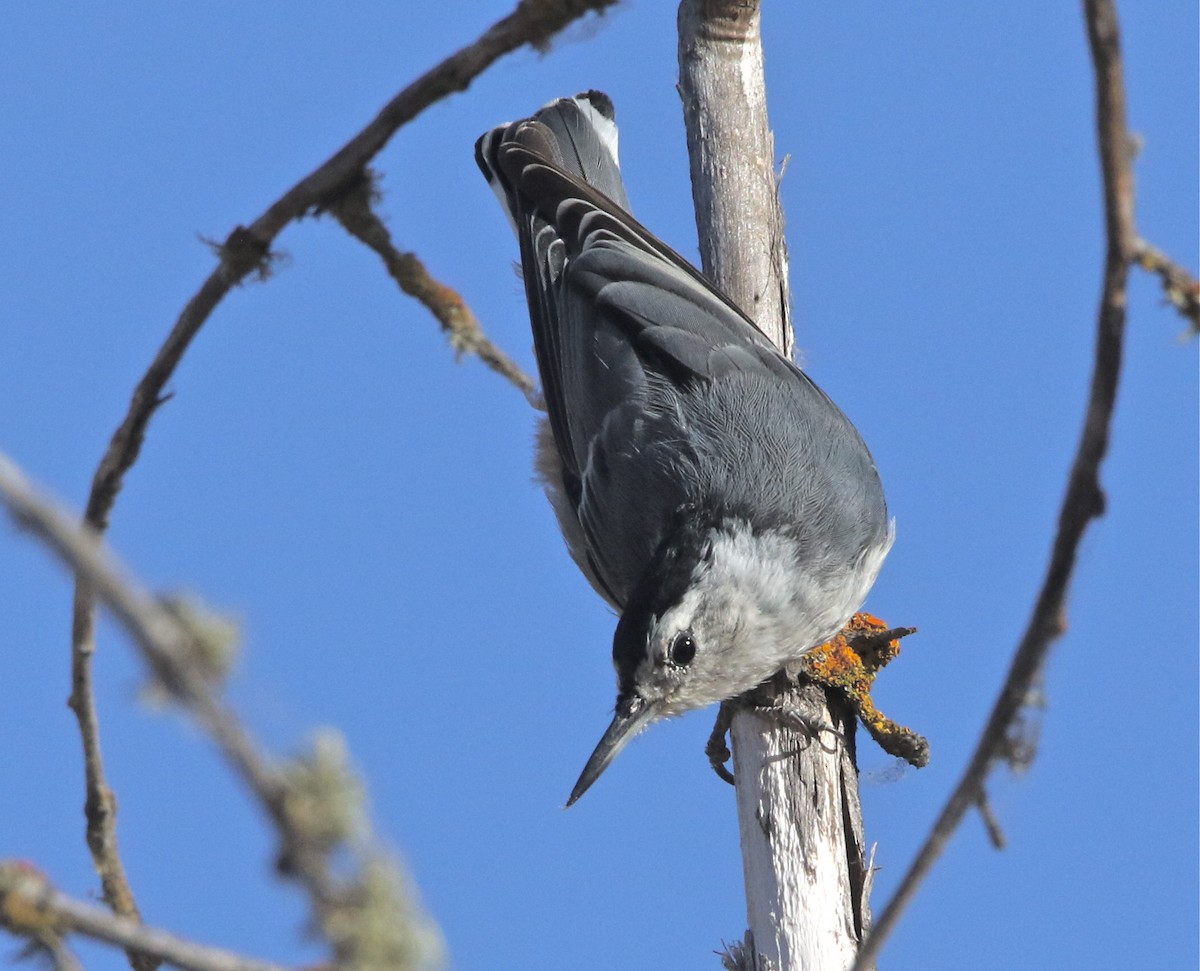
732	152
797	793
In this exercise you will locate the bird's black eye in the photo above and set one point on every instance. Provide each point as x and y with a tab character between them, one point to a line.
683	648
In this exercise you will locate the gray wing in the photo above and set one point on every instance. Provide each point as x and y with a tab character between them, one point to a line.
684	402
659	391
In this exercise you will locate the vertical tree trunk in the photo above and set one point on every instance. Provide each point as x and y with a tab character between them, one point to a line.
732	153
798	811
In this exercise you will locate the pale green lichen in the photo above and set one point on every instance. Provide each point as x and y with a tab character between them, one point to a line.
382	926
374	922
325	798
209	646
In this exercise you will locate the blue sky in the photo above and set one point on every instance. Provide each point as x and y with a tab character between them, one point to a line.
326	473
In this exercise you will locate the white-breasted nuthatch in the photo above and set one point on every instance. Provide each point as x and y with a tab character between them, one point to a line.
706	487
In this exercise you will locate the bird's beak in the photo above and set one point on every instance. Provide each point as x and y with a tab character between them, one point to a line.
633	714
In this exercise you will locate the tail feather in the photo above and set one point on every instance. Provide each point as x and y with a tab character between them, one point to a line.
578	134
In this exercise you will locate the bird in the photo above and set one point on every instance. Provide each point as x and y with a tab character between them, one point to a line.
708	490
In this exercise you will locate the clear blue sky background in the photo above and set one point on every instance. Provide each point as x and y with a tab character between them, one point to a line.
328	474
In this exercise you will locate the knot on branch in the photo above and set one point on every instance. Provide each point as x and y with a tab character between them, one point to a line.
365	932
244	253
365	907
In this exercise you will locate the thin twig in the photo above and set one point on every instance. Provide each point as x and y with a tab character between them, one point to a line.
247	251
1179	286
61	957
100	806
31	907
353	211
1084	500
994	830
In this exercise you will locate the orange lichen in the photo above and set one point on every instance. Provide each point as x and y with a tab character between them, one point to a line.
849	664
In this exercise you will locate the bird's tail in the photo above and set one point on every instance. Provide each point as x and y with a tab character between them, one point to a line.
578	135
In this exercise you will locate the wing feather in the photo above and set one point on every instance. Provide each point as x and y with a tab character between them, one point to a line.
659	390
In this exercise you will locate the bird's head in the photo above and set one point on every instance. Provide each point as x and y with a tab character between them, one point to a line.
721	609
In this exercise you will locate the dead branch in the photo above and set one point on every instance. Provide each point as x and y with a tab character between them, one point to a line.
31	907
731	149
312	802
1084	499
165	644
353	210
248	251
810	913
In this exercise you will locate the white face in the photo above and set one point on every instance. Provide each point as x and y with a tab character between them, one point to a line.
746	613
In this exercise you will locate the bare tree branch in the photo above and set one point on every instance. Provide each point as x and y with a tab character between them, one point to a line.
797	795
247	251
100	805
732	153
165	644
31	907
353	210
1084	499
306	801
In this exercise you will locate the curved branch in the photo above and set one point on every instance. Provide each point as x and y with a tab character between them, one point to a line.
306	801
247	251
1084	499
164	640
